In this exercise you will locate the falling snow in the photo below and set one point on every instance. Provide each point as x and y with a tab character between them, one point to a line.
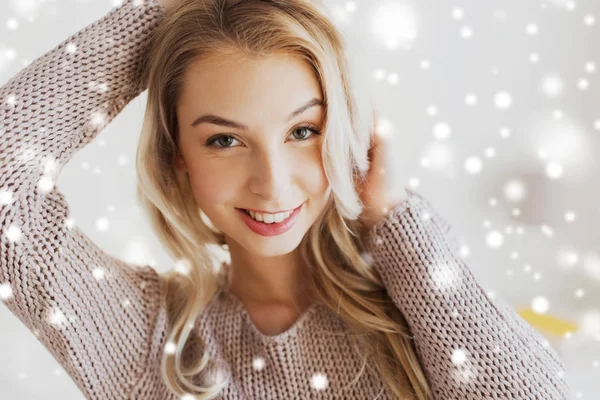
507	137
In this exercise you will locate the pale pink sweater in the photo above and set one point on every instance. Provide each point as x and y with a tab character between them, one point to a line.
103	321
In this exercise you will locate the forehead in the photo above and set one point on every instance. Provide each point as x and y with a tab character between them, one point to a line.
239	85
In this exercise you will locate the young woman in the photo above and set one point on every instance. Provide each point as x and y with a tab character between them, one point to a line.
252	143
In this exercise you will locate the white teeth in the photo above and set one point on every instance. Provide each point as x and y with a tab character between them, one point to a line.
269	218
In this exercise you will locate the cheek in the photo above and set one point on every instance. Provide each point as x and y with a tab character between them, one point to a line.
313	174
212	186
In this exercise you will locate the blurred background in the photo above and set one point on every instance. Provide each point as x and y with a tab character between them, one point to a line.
491	112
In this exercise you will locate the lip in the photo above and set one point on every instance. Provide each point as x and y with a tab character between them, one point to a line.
270	229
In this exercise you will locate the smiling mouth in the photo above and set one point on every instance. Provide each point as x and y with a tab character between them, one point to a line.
272	213
291	211
270	229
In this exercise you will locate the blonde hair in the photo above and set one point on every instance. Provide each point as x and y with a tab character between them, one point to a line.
345	282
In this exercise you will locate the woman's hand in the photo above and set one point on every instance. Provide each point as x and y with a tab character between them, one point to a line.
374	191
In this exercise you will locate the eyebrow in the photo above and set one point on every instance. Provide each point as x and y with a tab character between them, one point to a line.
216	120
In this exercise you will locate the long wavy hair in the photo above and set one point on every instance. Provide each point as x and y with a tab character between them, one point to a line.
345	282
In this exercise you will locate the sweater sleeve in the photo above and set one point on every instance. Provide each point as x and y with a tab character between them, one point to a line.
97	315
470	346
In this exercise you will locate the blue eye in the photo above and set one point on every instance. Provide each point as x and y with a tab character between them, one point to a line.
226	144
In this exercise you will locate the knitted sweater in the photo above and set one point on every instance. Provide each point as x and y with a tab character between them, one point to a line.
103	319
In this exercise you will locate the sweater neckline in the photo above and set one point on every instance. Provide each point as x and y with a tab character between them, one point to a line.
279	338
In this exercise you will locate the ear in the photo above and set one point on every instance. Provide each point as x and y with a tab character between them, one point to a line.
180	163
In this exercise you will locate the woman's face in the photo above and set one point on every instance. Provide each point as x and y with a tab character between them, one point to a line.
266	157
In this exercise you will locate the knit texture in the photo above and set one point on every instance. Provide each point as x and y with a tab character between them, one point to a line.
103	320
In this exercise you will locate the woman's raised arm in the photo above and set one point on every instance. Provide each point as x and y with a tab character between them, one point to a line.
99	317
471	346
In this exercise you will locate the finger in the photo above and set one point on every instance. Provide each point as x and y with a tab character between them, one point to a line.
377	147
374	141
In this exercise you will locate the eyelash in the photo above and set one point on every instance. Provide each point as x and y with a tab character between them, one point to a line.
210	142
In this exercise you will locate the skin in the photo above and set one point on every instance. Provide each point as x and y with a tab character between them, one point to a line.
273	165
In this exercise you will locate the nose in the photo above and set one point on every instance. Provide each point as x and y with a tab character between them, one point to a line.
270	178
